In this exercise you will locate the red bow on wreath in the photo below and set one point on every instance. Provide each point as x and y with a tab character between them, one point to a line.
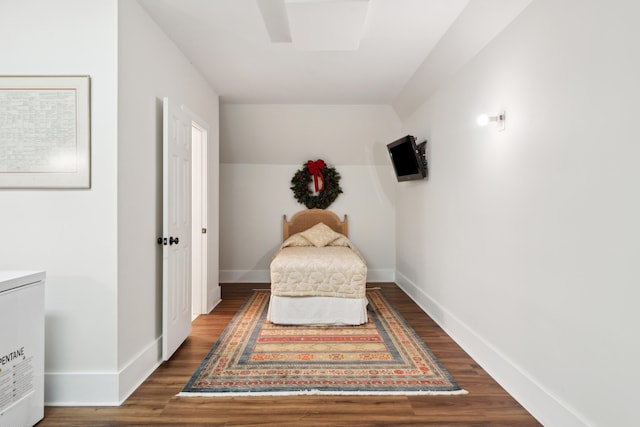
315	168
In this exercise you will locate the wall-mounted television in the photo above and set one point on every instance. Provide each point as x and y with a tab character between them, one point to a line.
408	158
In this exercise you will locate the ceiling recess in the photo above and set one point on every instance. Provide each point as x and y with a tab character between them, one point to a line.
315	25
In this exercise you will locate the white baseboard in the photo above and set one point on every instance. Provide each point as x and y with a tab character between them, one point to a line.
81	389
244	276
264	276
102	388
379	276
531	395
139	369
215	304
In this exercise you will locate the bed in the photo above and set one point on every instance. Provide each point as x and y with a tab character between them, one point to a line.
318	276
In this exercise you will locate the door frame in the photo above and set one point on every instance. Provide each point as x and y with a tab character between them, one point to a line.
199	215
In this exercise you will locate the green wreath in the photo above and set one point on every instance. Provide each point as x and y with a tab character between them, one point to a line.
326	180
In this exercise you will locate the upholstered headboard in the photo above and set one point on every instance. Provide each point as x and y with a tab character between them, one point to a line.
305	219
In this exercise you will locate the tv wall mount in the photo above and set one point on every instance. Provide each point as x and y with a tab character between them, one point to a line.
422	151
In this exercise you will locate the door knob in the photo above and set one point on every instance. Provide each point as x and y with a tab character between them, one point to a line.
173	240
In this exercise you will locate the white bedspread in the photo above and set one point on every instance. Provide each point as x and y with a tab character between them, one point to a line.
318	262
331	271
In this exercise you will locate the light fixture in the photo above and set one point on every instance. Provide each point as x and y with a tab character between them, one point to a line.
483	120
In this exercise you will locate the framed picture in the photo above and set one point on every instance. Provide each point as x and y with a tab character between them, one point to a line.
45	132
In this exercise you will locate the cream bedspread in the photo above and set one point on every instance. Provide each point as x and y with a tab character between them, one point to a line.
318	262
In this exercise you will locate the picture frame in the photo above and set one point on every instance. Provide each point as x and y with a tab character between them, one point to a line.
45	131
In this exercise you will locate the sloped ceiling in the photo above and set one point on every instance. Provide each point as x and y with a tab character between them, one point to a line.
252	51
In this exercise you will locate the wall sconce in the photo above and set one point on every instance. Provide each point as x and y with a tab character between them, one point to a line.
483	120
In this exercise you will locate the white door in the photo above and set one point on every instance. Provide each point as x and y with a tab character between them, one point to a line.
176	227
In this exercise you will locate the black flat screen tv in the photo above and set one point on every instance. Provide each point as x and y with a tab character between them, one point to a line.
408	158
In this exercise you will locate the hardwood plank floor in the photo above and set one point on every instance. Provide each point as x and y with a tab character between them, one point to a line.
155	403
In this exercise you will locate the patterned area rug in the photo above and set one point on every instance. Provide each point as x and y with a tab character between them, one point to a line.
383	357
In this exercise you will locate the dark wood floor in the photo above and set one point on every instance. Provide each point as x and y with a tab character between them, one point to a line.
155	402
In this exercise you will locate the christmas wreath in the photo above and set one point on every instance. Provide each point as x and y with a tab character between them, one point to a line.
326	182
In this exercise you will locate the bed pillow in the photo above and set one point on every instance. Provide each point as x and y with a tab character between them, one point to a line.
320	235
296	240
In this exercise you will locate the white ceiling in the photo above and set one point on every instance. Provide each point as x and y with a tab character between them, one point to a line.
228	41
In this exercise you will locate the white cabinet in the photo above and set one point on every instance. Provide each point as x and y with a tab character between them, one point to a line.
21	348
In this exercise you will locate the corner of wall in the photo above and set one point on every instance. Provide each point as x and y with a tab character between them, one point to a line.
474	28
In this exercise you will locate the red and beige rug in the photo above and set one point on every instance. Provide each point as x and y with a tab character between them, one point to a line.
383	357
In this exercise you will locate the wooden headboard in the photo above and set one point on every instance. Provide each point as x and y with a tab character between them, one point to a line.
305	219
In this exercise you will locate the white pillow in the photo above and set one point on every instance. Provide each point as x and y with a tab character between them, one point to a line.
296	240
320	235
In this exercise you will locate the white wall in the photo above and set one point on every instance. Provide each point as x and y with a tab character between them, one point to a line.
261	148
103	291
475	27
71	234
151	67
528	240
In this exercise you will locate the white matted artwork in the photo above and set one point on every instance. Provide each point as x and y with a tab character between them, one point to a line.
45	132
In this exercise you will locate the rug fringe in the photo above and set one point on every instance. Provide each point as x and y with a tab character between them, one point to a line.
322	393
375	288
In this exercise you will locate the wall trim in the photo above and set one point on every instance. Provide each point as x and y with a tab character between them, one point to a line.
541	403
139	369
245	276
263	276
81	389
102	388
215	304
